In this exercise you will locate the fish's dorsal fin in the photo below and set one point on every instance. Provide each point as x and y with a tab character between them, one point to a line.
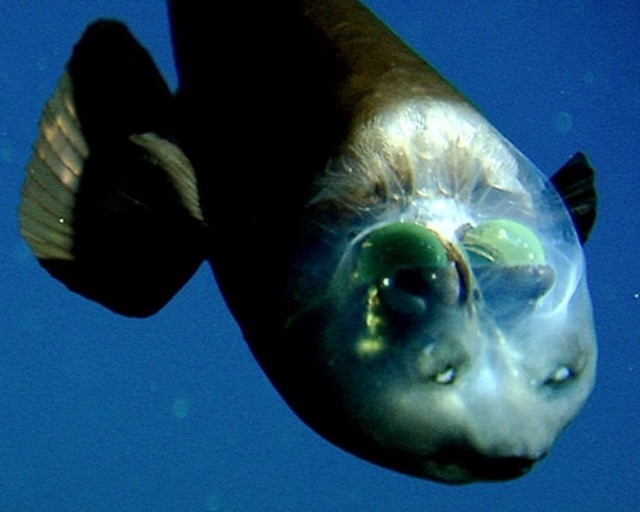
109	203
574	181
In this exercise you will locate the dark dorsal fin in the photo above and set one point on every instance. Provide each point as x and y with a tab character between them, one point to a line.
575	183
110	204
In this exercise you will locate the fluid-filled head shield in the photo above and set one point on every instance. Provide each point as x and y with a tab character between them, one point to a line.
442	317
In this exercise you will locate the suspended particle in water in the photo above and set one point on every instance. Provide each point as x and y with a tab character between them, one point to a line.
181	408
563	122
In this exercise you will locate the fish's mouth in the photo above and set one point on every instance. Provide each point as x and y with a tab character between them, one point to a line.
458	466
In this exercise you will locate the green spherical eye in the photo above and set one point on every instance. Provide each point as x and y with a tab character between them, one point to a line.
399	246
503	242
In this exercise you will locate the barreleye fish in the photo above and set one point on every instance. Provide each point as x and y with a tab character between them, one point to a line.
412	285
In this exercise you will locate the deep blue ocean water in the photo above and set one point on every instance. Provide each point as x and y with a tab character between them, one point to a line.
106	414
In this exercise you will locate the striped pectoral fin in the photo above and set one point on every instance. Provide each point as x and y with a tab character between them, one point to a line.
110	203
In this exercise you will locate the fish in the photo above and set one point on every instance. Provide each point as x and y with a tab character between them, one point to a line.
413	286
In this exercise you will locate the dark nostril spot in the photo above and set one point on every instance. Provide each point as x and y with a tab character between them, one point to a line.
560	377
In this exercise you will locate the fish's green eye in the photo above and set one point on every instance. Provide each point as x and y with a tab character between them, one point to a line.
399	246
503	242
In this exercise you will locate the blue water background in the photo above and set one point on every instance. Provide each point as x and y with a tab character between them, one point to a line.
106	414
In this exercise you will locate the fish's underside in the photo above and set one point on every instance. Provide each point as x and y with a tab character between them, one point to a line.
413	286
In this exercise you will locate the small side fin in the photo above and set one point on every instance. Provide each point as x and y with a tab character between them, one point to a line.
574	181
110	204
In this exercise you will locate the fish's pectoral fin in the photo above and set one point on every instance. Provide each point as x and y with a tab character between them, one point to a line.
574	181
109	203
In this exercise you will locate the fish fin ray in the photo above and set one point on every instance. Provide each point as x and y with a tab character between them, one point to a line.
110	203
